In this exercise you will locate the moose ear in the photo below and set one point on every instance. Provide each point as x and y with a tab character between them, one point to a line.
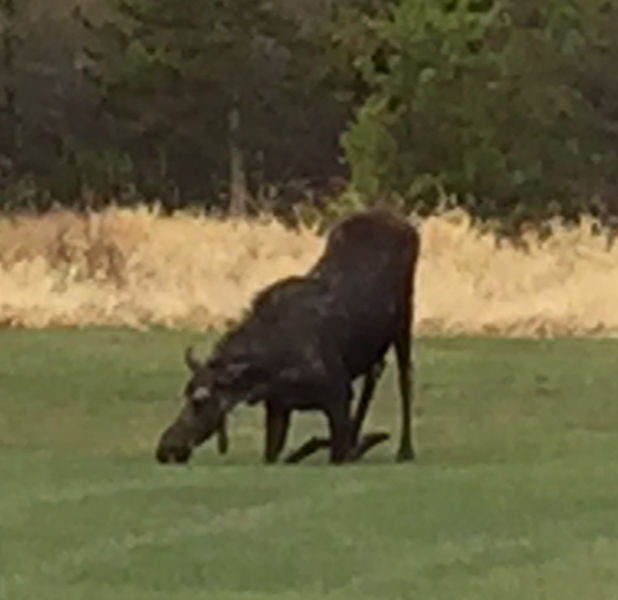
190	360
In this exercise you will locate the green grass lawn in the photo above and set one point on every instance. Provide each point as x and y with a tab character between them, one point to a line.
514	494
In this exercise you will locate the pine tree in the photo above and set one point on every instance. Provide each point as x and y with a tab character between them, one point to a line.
205	73
9	116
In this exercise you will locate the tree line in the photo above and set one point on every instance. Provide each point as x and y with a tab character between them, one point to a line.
506	108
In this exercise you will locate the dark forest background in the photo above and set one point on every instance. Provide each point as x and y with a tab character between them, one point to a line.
507	108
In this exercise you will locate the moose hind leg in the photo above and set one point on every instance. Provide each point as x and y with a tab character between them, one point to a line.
406	384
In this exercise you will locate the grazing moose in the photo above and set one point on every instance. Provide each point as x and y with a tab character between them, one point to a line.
305	340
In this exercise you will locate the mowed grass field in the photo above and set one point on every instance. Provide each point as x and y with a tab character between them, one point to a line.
514	494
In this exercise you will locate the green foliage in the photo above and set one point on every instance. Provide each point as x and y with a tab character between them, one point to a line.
481	99
508	108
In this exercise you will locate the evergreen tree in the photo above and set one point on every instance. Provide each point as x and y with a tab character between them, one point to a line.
207	81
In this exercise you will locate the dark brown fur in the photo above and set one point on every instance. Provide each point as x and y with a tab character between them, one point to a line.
306	339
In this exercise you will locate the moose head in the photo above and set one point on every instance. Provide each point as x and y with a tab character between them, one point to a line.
214	388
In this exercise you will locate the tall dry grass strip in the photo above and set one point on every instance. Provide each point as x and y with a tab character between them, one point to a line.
138	268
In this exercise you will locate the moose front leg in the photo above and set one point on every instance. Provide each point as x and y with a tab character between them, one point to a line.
340	426
341	447
363	445
222	438
366	443
339	431
359	446
277	425
311	446
336	406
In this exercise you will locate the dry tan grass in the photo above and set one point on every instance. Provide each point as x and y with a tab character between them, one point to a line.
138	268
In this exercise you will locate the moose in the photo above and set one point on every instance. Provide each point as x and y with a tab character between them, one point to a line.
304	341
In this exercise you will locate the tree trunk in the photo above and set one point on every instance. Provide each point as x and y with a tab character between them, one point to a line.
238	176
